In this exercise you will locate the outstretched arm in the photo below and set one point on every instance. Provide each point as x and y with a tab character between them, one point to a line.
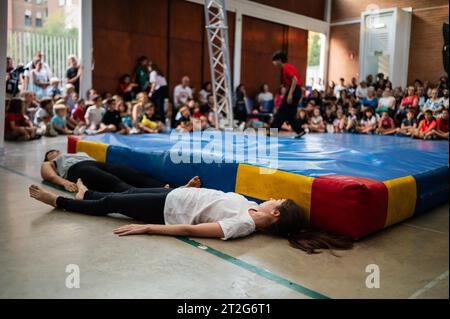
211	230
49	174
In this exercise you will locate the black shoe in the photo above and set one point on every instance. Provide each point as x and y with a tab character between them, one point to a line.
300	135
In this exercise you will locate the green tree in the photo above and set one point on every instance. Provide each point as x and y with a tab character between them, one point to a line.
314	49
55	25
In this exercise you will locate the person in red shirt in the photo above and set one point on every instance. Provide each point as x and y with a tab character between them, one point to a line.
288	109
17	126
386	125
426	126
441	131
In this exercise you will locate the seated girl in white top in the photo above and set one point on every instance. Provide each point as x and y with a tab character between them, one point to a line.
196	212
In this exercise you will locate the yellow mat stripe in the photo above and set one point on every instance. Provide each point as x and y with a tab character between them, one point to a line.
95	150
255	182
402	199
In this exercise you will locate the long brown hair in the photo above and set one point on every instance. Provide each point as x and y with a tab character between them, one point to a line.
291	225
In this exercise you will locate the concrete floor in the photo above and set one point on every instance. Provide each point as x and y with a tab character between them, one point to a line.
36	245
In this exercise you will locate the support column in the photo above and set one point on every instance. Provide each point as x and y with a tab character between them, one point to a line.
325	56
237	50
3	52
86	46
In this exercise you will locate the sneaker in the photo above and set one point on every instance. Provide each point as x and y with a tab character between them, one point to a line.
134	131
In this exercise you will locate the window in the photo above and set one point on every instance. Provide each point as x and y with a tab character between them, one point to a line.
28	18
62	3
39	22
38	2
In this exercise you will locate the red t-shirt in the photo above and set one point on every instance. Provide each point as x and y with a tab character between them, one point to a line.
78	114
387	123
18	119
424	125
289	71
442	125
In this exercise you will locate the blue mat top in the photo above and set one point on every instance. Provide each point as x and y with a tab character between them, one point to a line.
375	157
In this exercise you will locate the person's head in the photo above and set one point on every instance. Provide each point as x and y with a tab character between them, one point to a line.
434	94
210	100
9	63
54	82
16	106
385	115
126	78
97	99
445	92
185	112
283	218
387	92
429	115
185	81
38	65
420	91
354	81
302	114
445	114
46	104
411	91
342	80
38	56
410	115
315	94
143	61
207	86
27	97
329	110
279	58
51	155
142	98
110	104
340	114
317	112
379	92
90	94
380	76
265	88
363	84
72	60
149	109
124	108
371	92
69	89
241	88
369	79
369	113
60	110
353	111
81	104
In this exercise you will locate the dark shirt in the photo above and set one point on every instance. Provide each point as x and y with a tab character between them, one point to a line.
70	74
407	122
329	119
112	118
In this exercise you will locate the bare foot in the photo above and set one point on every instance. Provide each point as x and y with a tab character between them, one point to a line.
43	195
82	189
167	186
194	183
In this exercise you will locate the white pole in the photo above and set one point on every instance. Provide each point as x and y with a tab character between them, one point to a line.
3	48
85	45
237	49
325	45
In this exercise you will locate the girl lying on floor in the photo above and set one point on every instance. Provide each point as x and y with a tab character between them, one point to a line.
197	212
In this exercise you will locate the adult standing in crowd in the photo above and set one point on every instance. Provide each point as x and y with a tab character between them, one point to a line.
73	73
38	57
182	93
142	75
293	83
158	90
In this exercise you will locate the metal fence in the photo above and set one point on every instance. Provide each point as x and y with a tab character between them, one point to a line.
56	49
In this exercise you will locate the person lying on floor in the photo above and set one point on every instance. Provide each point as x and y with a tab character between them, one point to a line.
65	169
197	212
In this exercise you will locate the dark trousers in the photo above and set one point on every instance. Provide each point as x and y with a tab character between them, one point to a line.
105	177
158	99
288	113
144	205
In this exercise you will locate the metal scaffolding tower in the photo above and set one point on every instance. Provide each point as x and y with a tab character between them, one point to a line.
219	57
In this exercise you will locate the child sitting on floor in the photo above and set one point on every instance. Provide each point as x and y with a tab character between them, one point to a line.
409	124
316	124
149	124
386	125
368	124
59	121
17	126
426	126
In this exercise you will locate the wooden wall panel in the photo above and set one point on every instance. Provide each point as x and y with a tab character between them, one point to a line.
311	8
297	44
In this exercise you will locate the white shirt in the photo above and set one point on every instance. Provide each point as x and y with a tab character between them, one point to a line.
265	97
193	206
361	92
94	115
337	90
159	80
182	93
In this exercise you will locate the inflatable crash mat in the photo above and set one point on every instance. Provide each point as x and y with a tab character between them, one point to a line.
354	185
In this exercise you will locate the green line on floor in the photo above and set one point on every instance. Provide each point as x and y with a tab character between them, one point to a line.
237	262
256	270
